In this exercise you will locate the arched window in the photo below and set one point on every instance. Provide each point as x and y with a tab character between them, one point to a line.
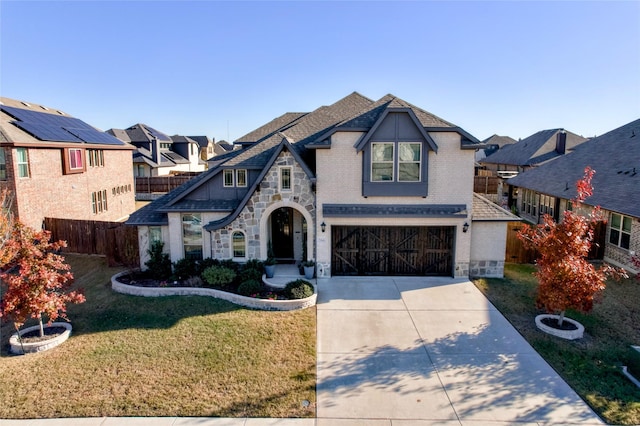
238	244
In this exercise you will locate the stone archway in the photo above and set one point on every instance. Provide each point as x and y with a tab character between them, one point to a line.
265	226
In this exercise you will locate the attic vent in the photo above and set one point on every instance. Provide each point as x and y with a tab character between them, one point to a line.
26	104
44	108
60	112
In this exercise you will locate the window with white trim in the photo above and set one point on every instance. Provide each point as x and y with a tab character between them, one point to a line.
409	161
285	178
239	245
155	235
23	162
3	165
99	201
96	157
382	156
620	232
241	178
192	235
228	178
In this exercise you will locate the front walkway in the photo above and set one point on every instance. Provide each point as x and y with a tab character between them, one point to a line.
429	351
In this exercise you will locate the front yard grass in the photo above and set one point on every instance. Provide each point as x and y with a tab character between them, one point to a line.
590	365
166	356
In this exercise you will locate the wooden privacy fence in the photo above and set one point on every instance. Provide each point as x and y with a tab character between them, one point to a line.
149	185
115	240
485	184
516	253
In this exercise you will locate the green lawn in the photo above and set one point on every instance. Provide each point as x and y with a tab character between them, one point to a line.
172	356
590	365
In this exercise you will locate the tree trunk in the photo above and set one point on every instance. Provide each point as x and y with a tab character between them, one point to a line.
41	326
560	319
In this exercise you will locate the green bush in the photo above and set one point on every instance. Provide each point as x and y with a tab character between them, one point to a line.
250	273
159	264
249	287
185	268
218	276
298	289
206	263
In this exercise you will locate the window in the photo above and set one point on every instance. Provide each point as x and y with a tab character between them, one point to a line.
99	201
238	243
96	157
3	165
382	161
75	159
139	170
228	178
285	179
409	160
241	177
192	235
164	145
620	234
155	235
23	162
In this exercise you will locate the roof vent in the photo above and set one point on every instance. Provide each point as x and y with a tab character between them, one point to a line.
26	104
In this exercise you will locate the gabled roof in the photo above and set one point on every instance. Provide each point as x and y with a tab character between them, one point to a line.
535	149
615	157
499	140
271	127
203	141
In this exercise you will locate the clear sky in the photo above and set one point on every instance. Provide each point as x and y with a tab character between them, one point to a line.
222	69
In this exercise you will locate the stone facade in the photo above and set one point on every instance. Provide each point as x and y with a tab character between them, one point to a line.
253	221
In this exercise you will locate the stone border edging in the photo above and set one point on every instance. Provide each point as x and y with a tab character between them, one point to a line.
563	334
247	302
32	347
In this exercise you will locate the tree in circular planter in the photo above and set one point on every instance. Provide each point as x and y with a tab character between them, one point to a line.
566	279
36	279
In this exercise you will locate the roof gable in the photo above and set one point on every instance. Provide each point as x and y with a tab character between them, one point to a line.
400	123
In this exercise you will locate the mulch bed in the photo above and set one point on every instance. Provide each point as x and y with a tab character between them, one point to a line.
49	333
553	323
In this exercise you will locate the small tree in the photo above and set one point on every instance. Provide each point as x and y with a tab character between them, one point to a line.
566	280
37	279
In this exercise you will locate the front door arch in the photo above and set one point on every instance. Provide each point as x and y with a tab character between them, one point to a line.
265	224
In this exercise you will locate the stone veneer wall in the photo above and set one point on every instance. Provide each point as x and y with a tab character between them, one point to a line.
487	268
301	195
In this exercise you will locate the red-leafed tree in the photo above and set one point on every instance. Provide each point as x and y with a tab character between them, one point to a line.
566	279
36	279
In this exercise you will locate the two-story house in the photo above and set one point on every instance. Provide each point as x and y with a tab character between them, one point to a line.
363	187
158	154
58	166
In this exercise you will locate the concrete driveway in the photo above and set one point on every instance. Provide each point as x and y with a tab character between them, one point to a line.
430	351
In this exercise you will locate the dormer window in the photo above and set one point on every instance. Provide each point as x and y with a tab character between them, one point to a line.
382	155
409	160
228	178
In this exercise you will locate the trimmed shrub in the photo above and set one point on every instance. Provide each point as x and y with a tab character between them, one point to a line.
218	276
253	264
206	263
298	289
159	264
250	273
250	287
185	268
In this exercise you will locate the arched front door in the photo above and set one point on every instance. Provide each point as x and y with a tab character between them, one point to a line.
282	233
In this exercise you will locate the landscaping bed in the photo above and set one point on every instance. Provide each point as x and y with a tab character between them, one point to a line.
592	366
169	356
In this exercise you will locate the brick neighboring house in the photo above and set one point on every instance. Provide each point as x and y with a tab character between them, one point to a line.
363	187
615	157
158	154
58	166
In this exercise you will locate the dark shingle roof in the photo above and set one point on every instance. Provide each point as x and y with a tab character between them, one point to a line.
271	127
203	141
615	156
536	149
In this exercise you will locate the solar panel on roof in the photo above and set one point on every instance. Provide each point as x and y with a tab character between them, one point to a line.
51	127
157	134
47	133
93	136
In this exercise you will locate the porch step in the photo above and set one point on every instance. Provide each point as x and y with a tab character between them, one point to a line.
285	273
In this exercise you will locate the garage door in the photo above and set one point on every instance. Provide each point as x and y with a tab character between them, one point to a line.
392	250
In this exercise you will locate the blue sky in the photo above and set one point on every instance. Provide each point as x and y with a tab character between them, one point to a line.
224	68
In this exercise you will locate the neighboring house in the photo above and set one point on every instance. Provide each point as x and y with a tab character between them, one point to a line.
537	149
158	154
207	146
493	144
363	187
615	157
58	166
222	147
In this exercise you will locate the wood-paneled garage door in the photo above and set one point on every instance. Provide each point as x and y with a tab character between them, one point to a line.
392	250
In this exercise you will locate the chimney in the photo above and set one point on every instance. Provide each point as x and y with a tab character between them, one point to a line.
561	142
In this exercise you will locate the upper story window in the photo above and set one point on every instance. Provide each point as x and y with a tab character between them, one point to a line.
382	155
409	161
285	178
3	165
96	157
241	177
99	201
165	145
228	178
620	233
22	156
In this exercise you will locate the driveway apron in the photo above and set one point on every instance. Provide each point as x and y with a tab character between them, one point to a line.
422	350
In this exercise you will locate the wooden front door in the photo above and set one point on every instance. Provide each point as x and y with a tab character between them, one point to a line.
282	233
392	250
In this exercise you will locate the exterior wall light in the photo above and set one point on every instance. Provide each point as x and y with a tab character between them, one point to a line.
323	226
465	227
